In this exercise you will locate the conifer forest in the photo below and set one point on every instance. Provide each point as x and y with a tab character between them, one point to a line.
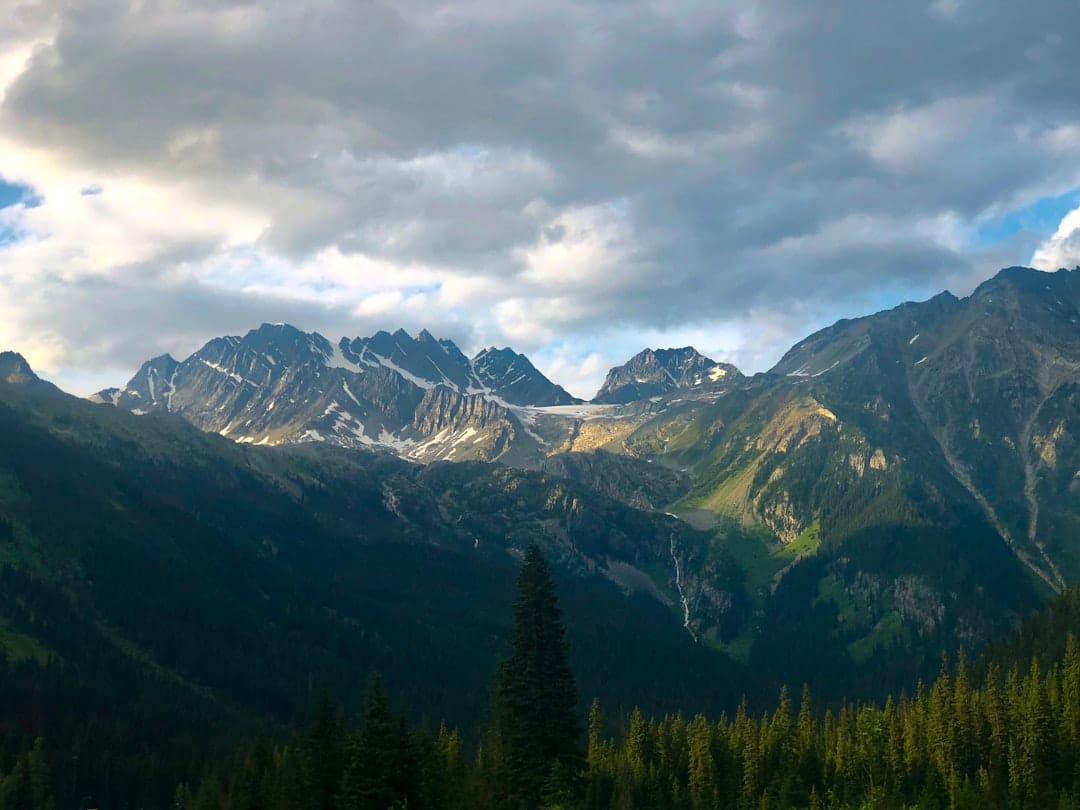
1003	732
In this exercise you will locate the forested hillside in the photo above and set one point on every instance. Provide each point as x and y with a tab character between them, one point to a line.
1008	738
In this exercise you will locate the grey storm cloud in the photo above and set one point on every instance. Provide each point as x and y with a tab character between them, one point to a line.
641	164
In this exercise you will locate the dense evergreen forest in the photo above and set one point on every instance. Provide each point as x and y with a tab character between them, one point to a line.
997	735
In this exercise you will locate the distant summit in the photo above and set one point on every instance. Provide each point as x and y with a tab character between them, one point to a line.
14	369
150	388
653	373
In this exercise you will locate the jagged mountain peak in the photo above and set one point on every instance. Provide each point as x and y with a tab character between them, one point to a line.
151	387
516	379
1023	274
491	351
270	328
163	362
14	369
653	372
284	335
1029	281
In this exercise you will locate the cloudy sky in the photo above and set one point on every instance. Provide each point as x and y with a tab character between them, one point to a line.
575	179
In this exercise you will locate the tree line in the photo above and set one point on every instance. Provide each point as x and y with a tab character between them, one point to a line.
999	736
1012	741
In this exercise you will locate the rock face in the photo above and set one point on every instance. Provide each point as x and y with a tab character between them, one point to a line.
463	427
653	373
632	481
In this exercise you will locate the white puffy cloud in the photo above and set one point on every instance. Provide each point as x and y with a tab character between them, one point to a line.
1063	248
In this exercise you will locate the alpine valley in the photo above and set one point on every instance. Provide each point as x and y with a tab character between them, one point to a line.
280	510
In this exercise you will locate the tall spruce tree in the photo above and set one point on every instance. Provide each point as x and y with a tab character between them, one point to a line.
535	696
381	761
325	755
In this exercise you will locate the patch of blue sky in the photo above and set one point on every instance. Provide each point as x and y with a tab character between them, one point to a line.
9	194
17	193
12	194
1042	216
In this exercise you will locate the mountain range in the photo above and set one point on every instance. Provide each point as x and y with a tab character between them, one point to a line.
419	397
984	385
897	485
